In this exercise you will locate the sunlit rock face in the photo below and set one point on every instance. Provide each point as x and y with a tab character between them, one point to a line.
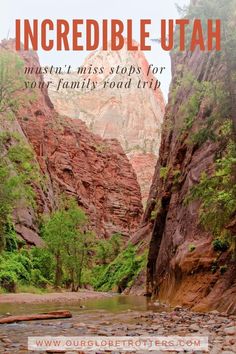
132	115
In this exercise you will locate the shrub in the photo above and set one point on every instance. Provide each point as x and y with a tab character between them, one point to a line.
121	272
214	266
220	245
12	80
153	215
191	248
8	280
164	172
43	261
12	265
107	250
176	176
223	269
203	135
38	279
12	242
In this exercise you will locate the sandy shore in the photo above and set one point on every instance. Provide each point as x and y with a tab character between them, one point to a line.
51	297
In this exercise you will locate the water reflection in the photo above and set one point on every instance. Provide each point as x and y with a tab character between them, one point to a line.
115	303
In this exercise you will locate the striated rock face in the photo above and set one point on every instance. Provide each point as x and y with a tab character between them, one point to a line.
73	160
183	267
94	170
133	116
176	273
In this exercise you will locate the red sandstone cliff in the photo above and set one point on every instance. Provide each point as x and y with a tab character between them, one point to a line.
183	267
133	116
75	161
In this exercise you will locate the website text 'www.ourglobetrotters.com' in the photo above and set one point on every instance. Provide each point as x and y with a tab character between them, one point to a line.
102	343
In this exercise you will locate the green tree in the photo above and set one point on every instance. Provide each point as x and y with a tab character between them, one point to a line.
66	237
107	250
11	80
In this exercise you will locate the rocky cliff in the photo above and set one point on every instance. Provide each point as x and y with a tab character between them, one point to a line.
191	259
74	161
133	116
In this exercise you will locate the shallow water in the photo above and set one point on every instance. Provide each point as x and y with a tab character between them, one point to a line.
103	316
115	303
114	316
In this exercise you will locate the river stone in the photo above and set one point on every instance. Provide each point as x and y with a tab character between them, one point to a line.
217	349
6	340
178	308
229	340
230	330
105	323
214	312
79	325
194	328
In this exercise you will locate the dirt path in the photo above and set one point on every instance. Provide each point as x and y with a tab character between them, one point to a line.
51	297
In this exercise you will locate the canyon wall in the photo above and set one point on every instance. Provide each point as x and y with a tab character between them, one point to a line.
191	259
74	161
133	116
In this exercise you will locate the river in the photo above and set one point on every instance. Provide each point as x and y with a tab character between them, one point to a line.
117	315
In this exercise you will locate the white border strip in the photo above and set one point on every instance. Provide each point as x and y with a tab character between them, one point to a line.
101	343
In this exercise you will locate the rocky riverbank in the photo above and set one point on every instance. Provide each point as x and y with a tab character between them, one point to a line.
220	328
51	297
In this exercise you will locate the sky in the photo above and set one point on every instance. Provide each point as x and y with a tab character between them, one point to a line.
94	9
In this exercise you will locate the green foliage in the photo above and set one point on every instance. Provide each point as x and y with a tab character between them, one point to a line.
71	257
217	192
156	210
38	279
25	288
14	268
164	172
203	135
209	98
44	262
17	167
176	176
153	214
68	241
107	250
216	106
191	108
17	172
223	269
8	280
205	9
11	80
191	248
122	271
17	264
214	266
21	268
11	241
100	148
221	245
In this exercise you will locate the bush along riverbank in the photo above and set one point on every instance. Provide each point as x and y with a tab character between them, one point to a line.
71	258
